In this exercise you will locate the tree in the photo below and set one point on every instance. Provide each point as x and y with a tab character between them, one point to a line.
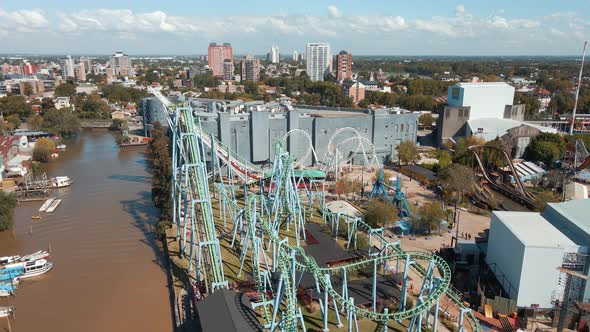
162	173
532	104
425	120
444	160
15	105
45	143
28	89
428	218
35	122
62	122
41	154
13	120
94	107
7	205
547	148
407	152
65	90
379	212
546	152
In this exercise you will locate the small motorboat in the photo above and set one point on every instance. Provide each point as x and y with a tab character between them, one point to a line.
41	254
6	311
9	259
61	147
37	217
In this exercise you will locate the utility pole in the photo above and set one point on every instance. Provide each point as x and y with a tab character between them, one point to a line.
578	90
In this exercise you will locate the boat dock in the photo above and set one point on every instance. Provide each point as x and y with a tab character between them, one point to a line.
53	205
46	205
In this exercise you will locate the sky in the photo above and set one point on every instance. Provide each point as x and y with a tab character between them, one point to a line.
369	27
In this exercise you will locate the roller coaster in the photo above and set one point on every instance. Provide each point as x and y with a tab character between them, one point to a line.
267	213
519	192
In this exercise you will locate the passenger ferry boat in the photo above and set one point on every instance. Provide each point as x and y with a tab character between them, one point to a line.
36	268
61	182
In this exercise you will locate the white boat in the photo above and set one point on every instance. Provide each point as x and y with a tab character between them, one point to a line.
9	259
45	205
61	147
53	205
34	256
35	268
6	311
5	293
61	182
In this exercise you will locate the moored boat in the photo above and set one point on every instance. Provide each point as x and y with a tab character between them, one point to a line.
9	259
61	181
6	311
35	268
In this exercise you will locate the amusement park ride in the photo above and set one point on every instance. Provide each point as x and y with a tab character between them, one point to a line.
267	212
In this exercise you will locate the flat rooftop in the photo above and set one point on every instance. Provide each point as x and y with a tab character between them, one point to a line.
533	230
343	207
577	211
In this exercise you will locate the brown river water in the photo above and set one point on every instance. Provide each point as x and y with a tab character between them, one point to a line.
108	270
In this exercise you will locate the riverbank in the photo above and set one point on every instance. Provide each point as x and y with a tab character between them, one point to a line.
110	271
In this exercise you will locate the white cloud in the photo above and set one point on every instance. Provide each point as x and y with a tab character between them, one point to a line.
22	20
334	12
372	31
460	10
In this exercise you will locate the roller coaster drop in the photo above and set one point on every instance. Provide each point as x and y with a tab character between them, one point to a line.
283	203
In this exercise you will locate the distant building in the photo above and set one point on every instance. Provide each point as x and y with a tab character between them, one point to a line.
274	54
354	90
87	64
228	69
80	71
295	56
62	102
343	66
67	67
29	69
121	64
217	54
484	109
250	68
319	60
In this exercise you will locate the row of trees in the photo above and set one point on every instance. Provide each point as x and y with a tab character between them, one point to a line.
161	180
7	205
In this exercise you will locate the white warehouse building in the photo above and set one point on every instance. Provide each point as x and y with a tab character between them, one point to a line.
525	251
486	99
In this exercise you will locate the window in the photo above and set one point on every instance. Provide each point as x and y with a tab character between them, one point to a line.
461	113
402	127
455	93
467	113
480	130
396	129
447	113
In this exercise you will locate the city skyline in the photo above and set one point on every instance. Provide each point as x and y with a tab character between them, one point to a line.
440	28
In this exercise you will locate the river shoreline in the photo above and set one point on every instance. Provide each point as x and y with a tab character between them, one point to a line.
111	272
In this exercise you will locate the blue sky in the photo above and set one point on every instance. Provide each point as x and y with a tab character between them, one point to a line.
376	27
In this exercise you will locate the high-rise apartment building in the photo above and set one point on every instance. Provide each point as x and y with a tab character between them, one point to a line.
121	64
250	68
217	54
343	66
319	60
274	54
295	56
67	67
228	69
80	71
87	64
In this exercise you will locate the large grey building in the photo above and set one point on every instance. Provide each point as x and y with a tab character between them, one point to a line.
250	129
